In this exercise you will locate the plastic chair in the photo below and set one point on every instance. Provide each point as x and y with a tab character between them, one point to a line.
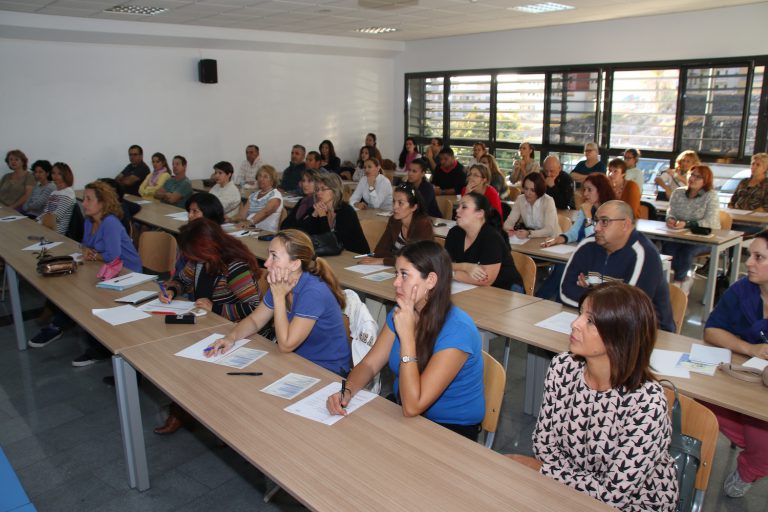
373	229
527	269
157	250
445	205
564	223
679	301
494	381
701	423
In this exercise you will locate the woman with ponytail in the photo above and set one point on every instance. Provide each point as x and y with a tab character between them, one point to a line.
304	300
432	347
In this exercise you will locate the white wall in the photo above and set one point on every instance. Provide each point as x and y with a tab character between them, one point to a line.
86	103
728	32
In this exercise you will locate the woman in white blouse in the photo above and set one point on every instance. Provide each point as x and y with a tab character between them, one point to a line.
534	213
375	191
263	208
224	190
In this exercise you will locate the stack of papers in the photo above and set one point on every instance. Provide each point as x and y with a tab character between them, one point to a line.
175	307
120	315
664	362
560	249
756	362
137	297
702	359
313	407
290	386
126	281
380	276
367	269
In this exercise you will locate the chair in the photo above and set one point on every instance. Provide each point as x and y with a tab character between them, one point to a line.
283	215
494	381
726	221
157	250
514	192
445	205
679	301
48	220
644	212
373	229
701	423
652	214
564	223
527	269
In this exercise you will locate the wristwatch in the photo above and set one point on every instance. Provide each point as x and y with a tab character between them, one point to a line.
409	359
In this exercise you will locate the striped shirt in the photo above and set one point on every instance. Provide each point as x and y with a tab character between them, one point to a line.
60	203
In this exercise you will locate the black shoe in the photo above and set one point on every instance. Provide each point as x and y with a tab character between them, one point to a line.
45	336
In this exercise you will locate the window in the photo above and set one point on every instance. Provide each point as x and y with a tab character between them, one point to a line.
754	106
425	107
643	109
573	108
463	154
520	107
470	107
713	109
569	160
506	159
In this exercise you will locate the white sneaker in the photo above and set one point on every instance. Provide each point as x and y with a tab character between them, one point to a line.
734	486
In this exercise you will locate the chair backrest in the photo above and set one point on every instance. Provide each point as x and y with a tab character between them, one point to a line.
494	381
726	221
514	192
527	269
652	214
373	229
679	301
701	423
564	223
577	198
76	221
445	205
157	250
283	215
643	211
261	283
48	220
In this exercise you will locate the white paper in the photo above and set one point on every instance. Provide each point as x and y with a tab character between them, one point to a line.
664	362
40	245
313	407
120	315
290	386
561	322
513	240
77	256
384	214
709	355
560	249
126	281
137	297
181	216
175	307
244	232
759	214
458	287
756	362
367	269
380	276
227	226
738	212
196	350
12	218
142	201
241	357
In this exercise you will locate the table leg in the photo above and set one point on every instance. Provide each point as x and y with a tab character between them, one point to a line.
536	367
130	423
18	319
709	292
736	260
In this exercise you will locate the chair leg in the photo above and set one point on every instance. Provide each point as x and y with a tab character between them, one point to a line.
698	501
489	437
270	493
505	362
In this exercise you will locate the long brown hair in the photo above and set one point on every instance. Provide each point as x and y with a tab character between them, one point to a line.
203	240
107	197
626	321
299	247
428	256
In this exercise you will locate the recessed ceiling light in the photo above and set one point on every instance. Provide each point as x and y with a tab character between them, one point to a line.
541	8
136	10
375	30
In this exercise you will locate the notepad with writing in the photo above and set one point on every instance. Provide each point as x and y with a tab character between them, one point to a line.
313	407
126	281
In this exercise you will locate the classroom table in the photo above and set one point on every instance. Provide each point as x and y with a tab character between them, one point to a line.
375	459
742	217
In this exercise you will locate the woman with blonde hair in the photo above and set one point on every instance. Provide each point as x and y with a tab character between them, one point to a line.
676	177
304	300
264	205
498	180
17	185
752	192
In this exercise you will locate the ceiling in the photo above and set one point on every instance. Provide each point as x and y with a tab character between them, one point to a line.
414	19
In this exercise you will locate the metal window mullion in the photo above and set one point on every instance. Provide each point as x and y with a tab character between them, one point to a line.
605	117
446	109
682	87
492	116
745	111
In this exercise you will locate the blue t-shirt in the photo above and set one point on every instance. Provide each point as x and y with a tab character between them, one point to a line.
463	401
581	168
740	312
327	343
111	241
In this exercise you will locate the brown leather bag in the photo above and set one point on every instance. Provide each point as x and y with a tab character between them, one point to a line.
56	265
745	373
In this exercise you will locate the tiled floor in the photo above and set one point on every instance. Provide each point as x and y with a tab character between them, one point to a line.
59	429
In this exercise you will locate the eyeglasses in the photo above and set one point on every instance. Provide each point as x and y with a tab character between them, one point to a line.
696	177
604	221
321	189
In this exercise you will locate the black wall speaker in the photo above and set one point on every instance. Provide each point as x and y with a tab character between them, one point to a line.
207	72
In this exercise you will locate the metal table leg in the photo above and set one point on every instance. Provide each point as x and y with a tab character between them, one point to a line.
536	366
130	423
18	320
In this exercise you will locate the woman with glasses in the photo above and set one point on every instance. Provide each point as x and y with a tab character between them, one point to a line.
534	213
694	205
408	223
592	164
479	180
332	213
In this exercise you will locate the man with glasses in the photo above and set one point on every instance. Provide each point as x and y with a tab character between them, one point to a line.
134	173
618	252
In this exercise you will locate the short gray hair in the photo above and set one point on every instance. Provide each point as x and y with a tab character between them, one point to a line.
591	145
623	209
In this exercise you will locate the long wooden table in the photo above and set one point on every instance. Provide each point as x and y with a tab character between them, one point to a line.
743	217
375	459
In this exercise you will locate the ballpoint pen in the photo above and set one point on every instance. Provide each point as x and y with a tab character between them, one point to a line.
121	279
343	389
162	289
763	337
359	256
254	374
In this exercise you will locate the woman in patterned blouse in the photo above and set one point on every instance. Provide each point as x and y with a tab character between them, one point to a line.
752	192
603	426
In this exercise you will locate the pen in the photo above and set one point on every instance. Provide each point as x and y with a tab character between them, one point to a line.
121	279
359	256
162	289
254	374
763	337
343	388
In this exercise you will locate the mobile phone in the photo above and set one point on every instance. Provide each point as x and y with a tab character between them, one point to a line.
266	238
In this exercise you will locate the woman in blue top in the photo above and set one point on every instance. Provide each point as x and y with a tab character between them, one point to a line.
304	300
433	347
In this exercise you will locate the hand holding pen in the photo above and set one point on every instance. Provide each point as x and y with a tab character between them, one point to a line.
218	347
164	296
337	402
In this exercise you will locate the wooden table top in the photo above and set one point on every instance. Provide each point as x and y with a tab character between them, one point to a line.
738	216
76	294
747	398
418	464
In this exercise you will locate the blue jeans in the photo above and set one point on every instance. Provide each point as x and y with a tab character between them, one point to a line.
550	288
682	257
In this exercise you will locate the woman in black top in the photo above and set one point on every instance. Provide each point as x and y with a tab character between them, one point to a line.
331	213
478	249
328	159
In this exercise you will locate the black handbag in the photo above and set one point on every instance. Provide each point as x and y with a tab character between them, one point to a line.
686	452
326	244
